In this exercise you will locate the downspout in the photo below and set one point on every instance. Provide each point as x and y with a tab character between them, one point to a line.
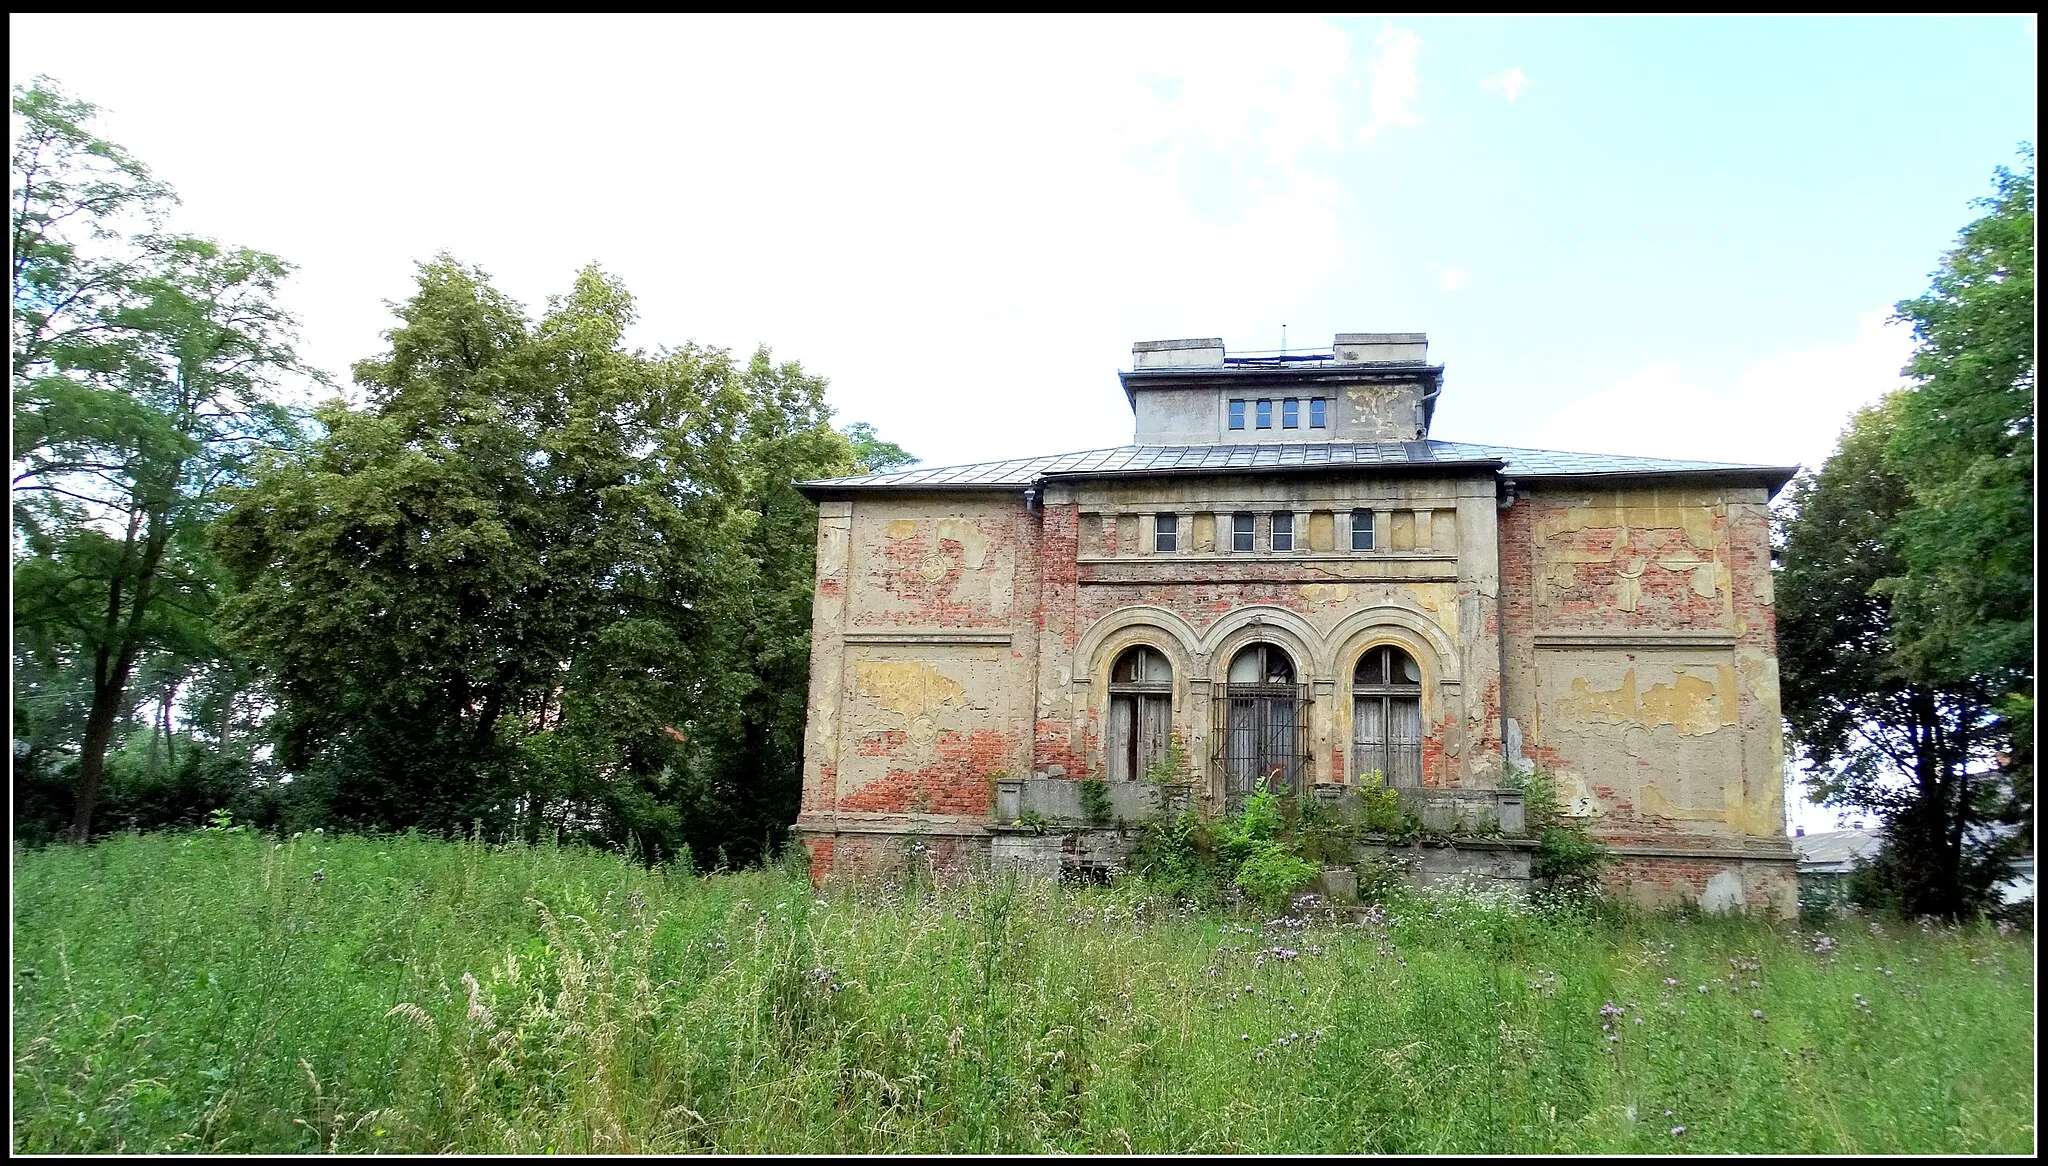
1422	411
1500	622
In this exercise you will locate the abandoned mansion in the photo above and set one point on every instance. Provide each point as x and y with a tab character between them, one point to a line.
1285	580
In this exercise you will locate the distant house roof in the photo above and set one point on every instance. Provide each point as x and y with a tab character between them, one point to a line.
1146	460
1835	851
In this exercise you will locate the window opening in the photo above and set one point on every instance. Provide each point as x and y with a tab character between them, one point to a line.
1140	712
1283	530
1262	721
1361	530
1386	722
1237	414
1166	532
1265	411
1290	413
1240	532
1315	412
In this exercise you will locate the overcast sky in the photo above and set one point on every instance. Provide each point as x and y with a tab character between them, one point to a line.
1669	237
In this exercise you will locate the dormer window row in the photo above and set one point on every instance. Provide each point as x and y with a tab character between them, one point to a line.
1260	412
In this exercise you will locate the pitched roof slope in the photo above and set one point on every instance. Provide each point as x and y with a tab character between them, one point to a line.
1138	460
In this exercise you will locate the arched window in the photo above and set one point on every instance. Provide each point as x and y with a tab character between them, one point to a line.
1386	721
1262	719
1140	712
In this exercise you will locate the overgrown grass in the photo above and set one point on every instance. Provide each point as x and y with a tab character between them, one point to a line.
217	991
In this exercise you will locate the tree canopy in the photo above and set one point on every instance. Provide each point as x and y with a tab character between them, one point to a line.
1905	597
541	582
146	371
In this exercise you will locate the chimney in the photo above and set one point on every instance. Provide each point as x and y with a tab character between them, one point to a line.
1799	832
1177	354
1385	348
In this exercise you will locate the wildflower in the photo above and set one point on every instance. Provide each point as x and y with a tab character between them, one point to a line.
1670	983
1608	1009
318	830
1756	1014
1754	984
1677	1130
1703	989
1639	1020
1246	1036
320	876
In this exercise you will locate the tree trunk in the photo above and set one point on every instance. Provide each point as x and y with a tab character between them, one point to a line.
92	758
113	664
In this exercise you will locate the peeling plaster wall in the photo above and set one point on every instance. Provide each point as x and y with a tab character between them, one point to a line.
1433	592
1383	410
1626	630
1642	670
921	658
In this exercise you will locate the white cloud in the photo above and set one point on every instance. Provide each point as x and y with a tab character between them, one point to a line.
963	222
1784	410
1393	81
1509	84
1454	278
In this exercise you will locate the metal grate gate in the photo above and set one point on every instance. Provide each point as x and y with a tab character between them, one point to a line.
1261	735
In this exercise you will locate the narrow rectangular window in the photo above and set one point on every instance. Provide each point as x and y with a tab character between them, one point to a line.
1361	530
1240	532
1290	413
1315	412
1265	414
1166	532
1283	530
1237	414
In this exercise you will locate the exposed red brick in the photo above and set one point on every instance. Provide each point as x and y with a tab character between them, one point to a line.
958	783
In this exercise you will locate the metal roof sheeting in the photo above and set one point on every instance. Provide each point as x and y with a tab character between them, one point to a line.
1166	459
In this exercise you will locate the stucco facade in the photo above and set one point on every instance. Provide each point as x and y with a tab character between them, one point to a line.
1606	618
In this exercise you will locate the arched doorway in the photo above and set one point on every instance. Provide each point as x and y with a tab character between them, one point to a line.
1140	712
1262	724
1386	716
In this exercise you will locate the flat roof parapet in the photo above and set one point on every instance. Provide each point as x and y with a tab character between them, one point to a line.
1201	353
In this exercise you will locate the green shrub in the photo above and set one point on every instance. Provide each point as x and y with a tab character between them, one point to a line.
1271	873
1095	801
1380	882
1261	818
1567	858
1380	809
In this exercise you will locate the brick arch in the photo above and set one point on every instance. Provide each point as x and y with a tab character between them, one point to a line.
1388	623
1275	625
1142	624
1095	654
1435	654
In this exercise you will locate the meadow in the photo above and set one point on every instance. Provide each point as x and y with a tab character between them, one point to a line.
220	991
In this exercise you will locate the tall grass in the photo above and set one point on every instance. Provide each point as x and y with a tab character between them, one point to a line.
217	991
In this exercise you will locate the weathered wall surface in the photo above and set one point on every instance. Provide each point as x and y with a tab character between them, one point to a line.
1429	585
921	664
1642	673
1627	632
1381	410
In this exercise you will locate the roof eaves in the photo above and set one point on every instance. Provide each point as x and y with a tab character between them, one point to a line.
1290	467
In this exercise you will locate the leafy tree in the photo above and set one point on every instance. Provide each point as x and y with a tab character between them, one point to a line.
144	373
1877	734
875	455
542	582
1963	446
